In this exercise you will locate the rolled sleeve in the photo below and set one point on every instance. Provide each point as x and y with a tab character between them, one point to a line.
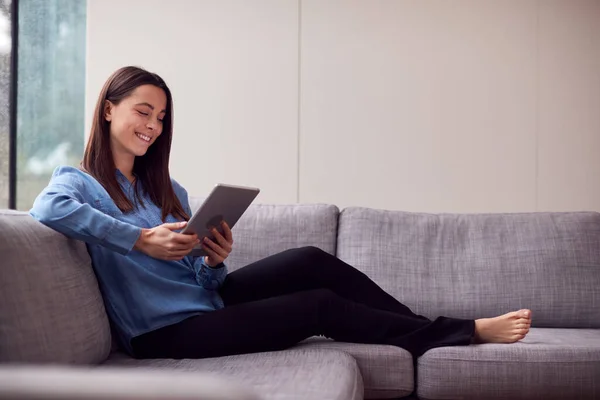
208	277
62	207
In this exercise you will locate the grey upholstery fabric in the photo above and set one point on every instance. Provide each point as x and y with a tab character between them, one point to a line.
387	371
53	382
290	375
51	309
266	229
481	265
547	364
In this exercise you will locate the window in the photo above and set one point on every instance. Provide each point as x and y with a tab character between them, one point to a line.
5	60
50	92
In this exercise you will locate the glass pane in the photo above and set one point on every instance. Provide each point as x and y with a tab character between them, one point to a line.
5	47
51	85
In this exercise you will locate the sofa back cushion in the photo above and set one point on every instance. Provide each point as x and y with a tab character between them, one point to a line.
481	265
266	229
51	309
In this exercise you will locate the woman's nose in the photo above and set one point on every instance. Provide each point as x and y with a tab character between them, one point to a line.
152	125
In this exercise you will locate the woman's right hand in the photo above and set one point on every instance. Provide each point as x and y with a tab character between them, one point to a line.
163	243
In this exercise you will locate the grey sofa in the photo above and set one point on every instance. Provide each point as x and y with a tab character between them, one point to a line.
55	338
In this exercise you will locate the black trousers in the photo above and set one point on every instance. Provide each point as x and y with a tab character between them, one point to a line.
277	302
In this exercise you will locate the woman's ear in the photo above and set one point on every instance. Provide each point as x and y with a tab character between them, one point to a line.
108	108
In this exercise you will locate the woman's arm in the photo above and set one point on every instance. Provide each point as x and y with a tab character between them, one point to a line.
62	206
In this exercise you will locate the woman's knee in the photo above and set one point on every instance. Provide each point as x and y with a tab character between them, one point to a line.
312	252
317	296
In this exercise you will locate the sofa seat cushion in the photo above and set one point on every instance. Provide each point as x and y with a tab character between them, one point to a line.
61	382
548	364
290	375
387	371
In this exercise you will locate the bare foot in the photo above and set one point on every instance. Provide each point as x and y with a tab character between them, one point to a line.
507	328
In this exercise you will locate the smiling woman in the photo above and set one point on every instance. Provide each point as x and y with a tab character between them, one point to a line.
140	121
133	112
162	298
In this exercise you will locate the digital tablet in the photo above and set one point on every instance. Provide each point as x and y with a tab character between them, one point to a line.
224	203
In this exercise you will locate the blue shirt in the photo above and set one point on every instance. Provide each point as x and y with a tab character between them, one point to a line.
140	293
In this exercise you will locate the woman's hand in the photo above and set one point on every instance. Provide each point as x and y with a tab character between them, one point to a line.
218	250
163	243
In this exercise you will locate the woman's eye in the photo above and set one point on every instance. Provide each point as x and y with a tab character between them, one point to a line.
143	113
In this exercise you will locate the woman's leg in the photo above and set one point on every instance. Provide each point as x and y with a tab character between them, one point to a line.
279	322
302	269
311	268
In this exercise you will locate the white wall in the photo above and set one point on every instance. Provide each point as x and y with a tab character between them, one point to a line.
436	106
569	105
232	67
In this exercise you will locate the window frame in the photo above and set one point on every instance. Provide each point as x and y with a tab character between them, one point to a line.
12	106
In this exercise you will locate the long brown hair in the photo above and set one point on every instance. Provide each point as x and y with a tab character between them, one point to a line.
151	169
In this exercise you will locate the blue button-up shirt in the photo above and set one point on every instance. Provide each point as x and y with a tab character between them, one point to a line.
141	293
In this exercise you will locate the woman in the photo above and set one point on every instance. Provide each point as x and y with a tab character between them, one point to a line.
164	303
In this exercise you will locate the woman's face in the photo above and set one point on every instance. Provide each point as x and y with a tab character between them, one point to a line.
136	122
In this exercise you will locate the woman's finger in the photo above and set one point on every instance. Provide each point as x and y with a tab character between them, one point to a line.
212	254
227	232
216	248
181	248
221	240
183	238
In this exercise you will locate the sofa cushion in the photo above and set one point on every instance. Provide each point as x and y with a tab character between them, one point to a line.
387	371
60	382
481	265
291	374
51	309
547	364
267	229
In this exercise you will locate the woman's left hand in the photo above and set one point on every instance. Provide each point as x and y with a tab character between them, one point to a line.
218	250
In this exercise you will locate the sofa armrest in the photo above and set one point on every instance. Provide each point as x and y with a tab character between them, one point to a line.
103	383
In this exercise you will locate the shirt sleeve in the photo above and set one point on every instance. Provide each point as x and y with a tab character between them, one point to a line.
62	207
208	277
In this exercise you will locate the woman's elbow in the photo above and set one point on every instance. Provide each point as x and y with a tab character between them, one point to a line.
41	213
46	209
